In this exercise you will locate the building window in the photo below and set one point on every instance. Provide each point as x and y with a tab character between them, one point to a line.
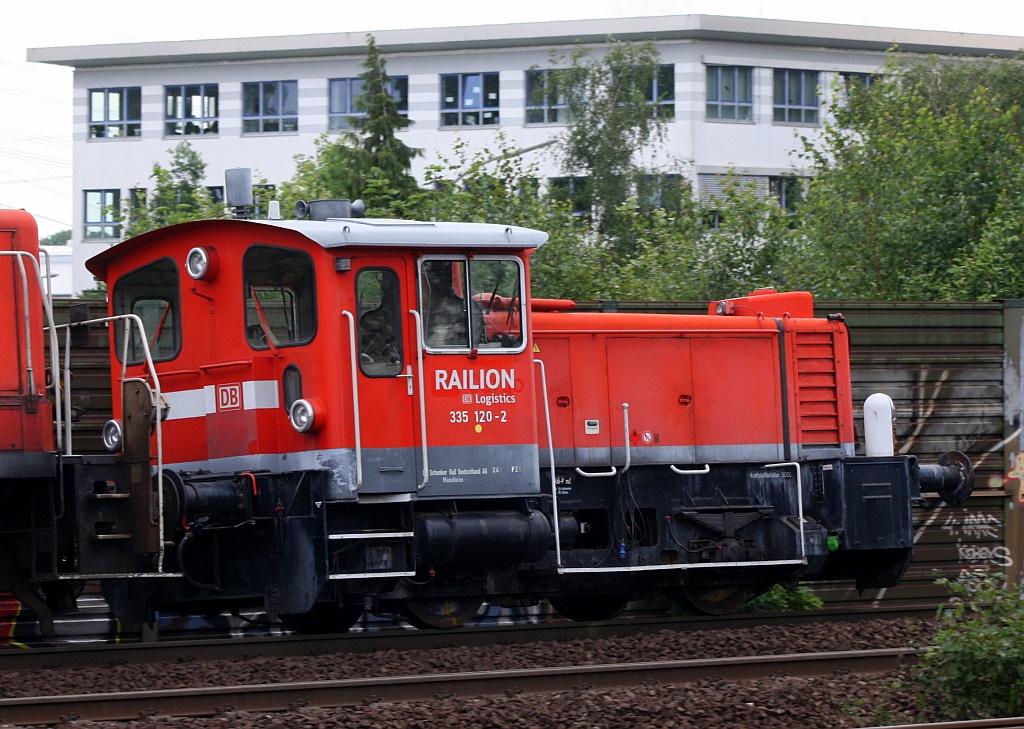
101	214
216	193
469	99
854	77
190	109
270	106
545	97
729	93
343	93
572	190
115	113
137	198
664	191
662	92
788	189
261	197
852	83
796	96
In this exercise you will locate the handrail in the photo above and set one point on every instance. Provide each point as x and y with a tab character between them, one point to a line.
128	320
799	500
690	471
423	396
625	437
54	356
610	472
355	396
613	470
551	458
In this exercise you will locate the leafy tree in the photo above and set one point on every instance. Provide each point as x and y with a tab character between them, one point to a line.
60	238
916	185
369	162
177	195
611	120
501	186
746	245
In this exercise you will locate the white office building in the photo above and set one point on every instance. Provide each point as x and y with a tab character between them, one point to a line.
738	92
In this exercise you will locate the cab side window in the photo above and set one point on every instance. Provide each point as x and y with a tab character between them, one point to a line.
151	293
472	304
280	297
380	322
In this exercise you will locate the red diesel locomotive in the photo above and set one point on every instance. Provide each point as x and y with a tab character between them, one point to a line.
345	414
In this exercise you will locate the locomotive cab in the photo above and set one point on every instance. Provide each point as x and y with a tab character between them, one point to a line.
348	407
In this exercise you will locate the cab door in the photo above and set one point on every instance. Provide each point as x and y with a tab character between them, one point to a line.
386	355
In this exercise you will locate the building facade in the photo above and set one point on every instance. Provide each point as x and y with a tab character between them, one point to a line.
738	93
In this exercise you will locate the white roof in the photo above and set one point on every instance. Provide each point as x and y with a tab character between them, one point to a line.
341	232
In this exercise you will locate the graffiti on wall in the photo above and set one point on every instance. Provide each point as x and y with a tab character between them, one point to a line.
969	531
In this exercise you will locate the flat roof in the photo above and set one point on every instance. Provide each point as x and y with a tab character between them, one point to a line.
525	35
344	232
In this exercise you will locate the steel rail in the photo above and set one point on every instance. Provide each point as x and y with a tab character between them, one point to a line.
1015	722
191	702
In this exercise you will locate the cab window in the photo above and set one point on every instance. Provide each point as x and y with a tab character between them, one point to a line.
380	322
472	304
280	297
151	293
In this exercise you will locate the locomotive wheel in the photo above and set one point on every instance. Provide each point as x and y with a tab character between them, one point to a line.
439	612
712	600
325	617
588	608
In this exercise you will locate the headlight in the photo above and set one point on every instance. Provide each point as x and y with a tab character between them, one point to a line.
113	435
202	264
307	415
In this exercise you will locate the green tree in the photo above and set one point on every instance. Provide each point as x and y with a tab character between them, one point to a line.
370	162
177	195
611	120
916	186
499	186
745	245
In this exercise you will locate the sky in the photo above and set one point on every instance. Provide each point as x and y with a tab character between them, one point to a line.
35	99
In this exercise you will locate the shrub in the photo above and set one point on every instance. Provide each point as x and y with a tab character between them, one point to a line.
974	667
781	599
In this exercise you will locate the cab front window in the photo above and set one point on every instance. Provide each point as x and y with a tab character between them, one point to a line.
280	298
472	304
151	293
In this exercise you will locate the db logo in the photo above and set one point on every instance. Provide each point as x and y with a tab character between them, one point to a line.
229	397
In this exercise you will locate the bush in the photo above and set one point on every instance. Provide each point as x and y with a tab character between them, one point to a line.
781	599
974	668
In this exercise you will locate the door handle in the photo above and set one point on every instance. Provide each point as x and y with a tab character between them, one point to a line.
408	375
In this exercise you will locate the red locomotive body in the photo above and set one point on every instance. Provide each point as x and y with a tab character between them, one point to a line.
26	415
342	414
356	416
699	389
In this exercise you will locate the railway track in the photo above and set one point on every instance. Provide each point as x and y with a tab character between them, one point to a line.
197	702
1016	722
184	648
